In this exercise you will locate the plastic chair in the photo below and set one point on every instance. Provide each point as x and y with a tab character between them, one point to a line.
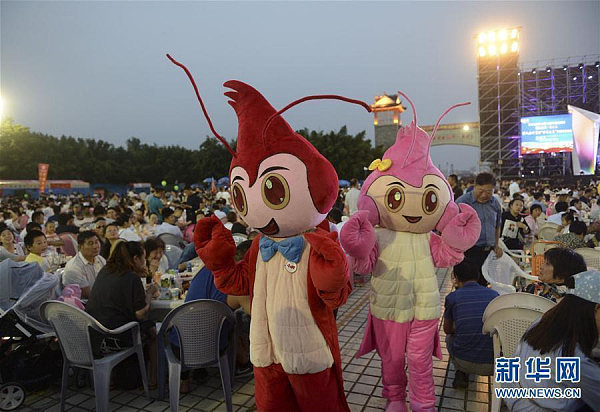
517	254
548	231
198	324
72	327
506	319
501	273
173	254
538	249
591	257
171	239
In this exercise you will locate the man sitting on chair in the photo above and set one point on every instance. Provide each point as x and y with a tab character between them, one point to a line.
470	350
83	269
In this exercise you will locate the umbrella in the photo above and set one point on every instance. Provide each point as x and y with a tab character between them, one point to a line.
223	181
343	183
196	185
208	180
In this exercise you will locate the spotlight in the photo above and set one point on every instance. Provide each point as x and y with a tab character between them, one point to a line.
491	36
589	77
580	66
565	67
492	49
514	47
481	38
482	51
504	48
518	73
514	33
502	35
574	78
597	64
548	69
534	71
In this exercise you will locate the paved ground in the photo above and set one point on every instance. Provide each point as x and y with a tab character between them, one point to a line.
362	377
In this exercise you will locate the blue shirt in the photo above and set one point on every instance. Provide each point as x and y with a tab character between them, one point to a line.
465	306
154	206
490	215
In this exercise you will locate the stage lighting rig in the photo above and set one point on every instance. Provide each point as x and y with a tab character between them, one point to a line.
498	42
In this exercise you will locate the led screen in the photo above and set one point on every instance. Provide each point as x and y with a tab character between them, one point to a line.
546	134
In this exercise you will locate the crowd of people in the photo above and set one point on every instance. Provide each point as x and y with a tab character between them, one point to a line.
116	241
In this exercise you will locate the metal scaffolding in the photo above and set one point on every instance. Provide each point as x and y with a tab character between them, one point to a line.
548	87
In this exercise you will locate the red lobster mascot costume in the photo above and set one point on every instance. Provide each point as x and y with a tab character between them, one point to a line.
295	272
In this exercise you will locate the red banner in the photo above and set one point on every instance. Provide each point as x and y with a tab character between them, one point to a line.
43	175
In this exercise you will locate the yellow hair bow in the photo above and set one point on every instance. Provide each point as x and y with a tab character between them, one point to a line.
381	165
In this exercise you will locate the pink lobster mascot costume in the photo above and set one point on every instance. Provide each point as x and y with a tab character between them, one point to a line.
391	236
295	273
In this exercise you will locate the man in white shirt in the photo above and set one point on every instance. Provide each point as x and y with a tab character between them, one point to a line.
169	223
561	207
351	201
83	269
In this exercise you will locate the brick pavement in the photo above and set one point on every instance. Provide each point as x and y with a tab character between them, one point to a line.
362	377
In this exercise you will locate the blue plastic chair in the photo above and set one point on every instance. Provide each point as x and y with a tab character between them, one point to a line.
198	324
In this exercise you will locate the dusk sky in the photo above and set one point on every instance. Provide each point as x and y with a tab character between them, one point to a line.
98	69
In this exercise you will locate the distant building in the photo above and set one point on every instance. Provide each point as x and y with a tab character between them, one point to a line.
386	111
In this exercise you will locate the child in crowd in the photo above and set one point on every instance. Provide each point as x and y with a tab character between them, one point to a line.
556	273
36	244
470	350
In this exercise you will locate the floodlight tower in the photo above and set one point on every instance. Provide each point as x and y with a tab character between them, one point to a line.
498	87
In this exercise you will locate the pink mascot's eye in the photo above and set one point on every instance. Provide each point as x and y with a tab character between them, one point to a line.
239	199
430	201
275	191
394	199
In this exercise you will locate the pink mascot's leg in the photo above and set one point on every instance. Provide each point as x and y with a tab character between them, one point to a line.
420	348
390	341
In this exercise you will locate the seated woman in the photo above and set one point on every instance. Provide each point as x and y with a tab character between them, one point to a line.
570	329
535	211
155	256
573	239
8	248
111	236
514	228
558	268
118	297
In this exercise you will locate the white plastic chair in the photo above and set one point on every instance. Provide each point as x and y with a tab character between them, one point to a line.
517	254
591	257
501	273
198	324
548	231
506	319
72	327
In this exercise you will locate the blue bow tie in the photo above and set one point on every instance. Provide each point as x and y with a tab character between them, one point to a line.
291	248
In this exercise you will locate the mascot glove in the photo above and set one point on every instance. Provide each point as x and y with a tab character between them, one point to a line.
214	244
463	230
358	235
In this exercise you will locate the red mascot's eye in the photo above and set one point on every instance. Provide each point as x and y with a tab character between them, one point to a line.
430	201
239	199
275	191
394	199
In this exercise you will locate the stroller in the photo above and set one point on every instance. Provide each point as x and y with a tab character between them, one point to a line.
30	358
